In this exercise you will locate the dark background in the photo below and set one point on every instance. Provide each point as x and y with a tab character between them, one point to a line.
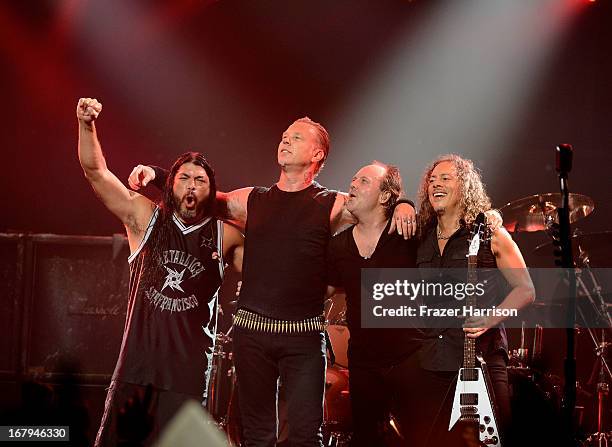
228	77
398	81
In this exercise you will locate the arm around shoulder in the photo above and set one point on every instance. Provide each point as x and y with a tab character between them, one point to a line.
233	246
232	206
340	217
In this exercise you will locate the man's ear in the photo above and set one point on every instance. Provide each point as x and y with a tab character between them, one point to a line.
318	155
384	197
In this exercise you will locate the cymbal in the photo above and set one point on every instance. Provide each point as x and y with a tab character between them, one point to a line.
533	212
597	245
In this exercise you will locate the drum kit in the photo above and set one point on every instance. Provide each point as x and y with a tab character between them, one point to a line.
536	394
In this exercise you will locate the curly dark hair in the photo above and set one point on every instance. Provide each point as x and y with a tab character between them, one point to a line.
473	195
158	240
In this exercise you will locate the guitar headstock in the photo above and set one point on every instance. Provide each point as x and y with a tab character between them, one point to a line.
478	235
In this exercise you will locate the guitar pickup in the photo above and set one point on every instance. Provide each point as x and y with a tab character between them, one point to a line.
469	374
468	399
469	412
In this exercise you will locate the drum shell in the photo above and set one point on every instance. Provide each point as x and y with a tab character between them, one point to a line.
339	337
337	407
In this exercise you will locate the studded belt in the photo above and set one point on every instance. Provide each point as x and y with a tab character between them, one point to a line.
249	320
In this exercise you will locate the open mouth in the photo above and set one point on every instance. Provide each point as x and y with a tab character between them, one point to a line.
439	194
190	202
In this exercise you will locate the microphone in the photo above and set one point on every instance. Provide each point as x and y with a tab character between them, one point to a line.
563	159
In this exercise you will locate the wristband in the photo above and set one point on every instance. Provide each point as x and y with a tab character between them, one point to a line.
160	177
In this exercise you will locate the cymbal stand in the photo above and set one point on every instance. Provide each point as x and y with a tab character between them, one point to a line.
602	309
213	403
599	438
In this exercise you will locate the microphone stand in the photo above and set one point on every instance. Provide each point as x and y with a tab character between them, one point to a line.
563	167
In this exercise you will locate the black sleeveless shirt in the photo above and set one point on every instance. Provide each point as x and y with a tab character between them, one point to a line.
368	346
170	327
443	348
284	269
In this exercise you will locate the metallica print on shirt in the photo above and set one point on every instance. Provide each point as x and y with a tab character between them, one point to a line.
171	326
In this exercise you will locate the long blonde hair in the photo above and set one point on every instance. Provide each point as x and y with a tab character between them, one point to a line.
473	198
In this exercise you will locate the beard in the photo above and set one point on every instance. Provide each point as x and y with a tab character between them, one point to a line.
188	207
186	214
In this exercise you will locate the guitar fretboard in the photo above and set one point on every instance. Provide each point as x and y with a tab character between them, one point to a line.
469	344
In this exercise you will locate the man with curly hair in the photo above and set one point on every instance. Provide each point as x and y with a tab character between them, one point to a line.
451	196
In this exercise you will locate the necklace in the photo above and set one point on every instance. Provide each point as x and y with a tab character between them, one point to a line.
444	238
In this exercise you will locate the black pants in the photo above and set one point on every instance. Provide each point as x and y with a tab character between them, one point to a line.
299	361
419	399
376	392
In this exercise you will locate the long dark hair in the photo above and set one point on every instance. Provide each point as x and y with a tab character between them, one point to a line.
158	240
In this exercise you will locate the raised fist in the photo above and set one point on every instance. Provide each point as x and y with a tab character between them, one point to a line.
140	176
88	110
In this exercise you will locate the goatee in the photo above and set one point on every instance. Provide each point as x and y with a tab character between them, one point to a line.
187	214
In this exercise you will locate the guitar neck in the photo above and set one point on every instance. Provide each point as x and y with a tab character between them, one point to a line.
469	344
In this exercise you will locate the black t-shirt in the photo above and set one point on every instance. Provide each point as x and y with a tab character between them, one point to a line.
382	347
170	327
443	348
287	233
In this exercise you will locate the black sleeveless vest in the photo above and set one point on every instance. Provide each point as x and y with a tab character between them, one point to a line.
443	348
284	270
